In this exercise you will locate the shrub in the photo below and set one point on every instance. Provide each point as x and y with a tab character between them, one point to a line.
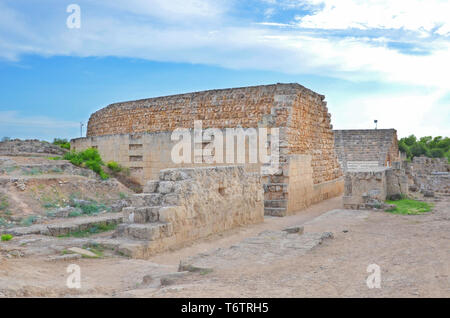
6	237
63	143
114	166
89	158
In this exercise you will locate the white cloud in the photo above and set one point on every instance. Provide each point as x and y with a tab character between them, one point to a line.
16	125
111	32
414	15
418	113
14	118
195	31
174	10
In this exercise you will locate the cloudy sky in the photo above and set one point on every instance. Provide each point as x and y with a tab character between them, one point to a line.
372	59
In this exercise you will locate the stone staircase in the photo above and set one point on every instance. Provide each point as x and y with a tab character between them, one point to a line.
147	218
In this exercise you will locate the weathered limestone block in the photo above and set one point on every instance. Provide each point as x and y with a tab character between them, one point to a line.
221	198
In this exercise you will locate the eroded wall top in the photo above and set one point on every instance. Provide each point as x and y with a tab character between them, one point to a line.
245	107
379	146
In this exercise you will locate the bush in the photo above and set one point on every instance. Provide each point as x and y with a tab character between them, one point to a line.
6	237
114	166
63	143
89	158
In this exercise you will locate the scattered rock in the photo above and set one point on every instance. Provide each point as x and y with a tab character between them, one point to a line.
185	267
395	197
64	212
118	206
294	229
67	257
82	252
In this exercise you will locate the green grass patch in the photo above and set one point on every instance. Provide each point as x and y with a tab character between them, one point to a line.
6	237
123	195
10	169
32	172
409	207
95	229
28	221
55	158
4	204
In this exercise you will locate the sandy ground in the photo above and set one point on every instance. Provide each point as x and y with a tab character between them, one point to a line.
412	252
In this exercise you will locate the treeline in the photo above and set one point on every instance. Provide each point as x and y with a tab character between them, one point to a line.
428	146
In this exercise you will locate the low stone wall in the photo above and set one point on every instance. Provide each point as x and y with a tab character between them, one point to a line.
369	189
429	174
190	203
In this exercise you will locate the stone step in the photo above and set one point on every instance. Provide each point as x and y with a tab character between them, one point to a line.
82	224
146	199
141	215
275	211
275	187
275	203
145	232
276	196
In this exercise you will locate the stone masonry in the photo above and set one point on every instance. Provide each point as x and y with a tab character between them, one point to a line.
366	149
187	204
368	189
137	134
429	174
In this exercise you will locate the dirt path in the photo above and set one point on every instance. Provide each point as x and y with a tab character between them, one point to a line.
412	252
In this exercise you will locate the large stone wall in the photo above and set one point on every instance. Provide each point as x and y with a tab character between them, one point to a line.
146	154
187	204
298	191
137	134
370	148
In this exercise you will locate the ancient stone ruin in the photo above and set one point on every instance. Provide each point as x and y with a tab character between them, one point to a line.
137	134
370	160
429	175
366	149
187	204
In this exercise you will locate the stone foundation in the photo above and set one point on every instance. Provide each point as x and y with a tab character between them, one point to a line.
369	189
294	189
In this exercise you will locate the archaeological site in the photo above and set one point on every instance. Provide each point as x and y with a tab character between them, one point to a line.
173	224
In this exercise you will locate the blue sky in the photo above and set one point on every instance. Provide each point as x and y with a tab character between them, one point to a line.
385	60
